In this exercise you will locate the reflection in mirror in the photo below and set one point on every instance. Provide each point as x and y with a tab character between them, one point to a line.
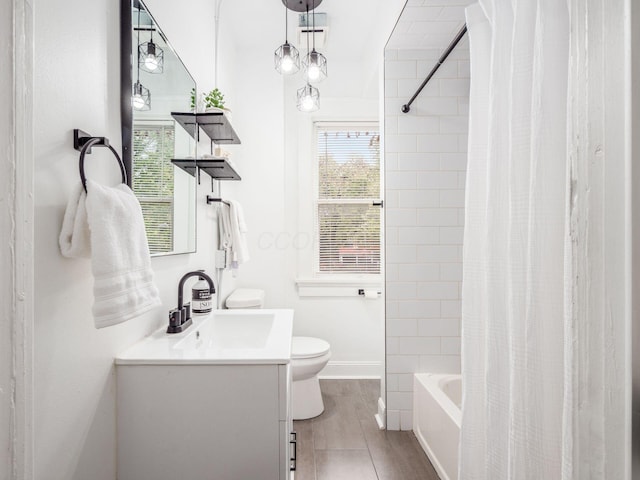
158	84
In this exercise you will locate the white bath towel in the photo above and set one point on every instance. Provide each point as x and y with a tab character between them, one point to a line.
238	231
107	225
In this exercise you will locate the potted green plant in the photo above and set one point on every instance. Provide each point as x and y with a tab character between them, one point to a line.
194	103
214	101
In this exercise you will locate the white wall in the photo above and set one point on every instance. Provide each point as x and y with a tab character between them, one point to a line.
255	99
77	85
352	325
271	192
425	152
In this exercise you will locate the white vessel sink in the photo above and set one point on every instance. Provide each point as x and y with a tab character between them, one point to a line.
224	337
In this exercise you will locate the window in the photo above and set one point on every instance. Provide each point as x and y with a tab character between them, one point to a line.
153	149
348	206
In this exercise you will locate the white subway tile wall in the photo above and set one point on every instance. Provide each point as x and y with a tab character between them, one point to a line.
425	171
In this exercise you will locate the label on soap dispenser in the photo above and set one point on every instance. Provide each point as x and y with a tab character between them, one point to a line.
201	302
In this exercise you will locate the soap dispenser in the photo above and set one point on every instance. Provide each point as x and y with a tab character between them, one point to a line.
201	298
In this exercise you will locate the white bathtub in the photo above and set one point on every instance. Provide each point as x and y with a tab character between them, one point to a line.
436	419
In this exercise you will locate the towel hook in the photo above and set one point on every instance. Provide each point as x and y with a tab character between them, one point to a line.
83	141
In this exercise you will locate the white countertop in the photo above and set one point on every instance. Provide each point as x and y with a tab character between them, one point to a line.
225	337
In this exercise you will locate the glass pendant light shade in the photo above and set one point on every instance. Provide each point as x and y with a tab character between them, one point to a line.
308	98
150	57
314	66
286	56
287	59
141	99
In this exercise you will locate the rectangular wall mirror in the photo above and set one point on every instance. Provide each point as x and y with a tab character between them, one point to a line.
154	83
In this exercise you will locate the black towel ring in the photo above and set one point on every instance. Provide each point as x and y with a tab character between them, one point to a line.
86	148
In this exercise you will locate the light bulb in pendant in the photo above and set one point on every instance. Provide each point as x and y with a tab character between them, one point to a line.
313	72
286	59
315	67
141	98
151	57
287	64
138	101
151	62
308	98
307	103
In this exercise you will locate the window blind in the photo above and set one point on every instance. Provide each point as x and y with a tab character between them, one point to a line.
153	183
348	224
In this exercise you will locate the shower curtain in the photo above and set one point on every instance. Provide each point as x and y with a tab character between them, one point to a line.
513	303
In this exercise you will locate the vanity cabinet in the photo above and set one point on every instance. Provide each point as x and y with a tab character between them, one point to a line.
204	422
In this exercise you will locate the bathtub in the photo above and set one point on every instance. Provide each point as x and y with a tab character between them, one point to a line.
436	419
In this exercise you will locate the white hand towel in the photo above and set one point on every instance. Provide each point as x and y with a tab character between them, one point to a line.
238	230
123	280
224	230
74	236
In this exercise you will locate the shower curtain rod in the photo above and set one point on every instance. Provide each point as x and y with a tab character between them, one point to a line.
407	106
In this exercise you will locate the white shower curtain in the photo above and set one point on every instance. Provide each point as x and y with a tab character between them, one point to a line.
513	280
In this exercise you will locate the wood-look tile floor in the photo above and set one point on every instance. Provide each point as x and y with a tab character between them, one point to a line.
344	443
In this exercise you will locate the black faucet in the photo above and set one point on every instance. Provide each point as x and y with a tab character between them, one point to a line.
180	318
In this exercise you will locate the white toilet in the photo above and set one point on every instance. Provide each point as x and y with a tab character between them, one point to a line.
309	355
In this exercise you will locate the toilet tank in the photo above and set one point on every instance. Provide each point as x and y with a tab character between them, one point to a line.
245	298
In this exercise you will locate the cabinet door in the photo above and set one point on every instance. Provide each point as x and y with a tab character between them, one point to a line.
217	422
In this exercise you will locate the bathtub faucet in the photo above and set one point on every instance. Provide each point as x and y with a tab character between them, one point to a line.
180	318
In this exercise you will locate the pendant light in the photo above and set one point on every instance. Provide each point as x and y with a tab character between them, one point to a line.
308	96
286	56
150	56
141	99
314	64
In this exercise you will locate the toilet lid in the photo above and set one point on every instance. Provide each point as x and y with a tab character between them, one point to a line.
308	347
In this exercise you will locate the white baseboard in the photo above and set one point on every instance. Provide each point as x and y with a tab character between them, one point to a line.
351	370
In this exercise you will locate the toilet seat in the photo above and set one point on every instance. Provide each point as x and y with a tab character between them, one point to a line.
308	347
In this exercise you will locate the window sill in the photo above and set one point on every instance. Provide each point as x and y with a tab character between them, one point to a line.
338	287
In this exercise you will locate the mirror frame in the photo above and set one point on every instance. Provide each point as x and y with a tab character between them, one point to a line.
127	62
126	79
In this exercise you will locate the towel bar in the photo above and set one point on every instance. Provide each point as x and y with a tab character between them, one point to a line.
211	200
83	142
